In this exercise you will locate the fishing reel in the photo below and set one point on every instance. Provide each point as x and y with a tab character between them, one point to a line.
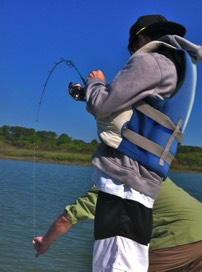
76	91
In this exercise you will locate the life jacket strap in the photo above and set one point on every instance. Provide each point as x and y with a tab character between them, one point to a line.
148	145
158	117
169	143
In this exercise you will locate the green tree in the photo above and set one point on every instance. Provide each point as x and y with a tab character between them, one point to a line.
63	139
5	131
46	139
21	136
94	142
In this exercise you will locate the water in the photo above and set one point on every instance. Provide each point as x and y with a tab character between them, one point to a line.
48	188
54	187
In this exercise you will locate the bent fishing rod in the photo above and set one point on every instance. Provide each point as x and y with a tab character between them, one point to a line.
75	90
78	94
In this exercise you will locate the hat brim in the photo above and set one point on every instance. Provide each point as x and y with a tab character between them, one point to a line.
165	28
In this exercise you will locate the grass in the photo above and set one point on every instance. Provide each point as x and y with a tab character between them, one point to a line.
7	152
186	168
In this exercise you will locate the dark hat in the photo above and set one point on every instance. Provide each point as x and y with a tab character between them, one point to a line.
155	24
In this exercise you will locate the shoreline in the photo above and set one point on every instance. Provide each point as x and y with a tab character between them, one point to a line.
41	160
174	169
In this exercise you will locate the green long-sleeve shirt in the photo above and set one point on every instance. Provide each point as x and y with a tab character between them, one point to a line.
177	217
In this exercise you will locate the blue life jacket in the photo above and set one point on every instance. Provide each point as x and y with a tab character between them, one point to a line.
152	135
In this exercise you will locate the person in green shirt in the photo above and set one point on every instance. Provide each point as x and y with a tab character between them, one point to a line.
176	244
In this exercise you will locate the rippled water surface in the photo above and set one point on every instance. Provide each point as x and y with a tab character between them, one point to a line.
32	196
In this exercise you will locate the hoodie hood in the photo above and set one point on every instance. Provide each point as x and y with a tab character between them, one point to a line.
194	50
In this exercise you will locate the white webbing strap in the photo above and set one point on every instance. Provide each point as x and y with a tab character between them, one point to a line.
169	143
158	117
147	145
162	152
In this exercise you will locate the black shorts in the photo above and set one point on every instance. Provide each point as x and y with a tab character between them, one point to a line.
115	216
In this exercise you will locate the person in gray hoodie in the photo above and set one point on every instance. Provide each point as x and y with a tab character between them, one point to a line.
128	187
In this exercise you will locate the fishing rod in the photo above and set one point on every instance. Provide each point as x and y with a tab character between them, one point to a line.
75	90
78	93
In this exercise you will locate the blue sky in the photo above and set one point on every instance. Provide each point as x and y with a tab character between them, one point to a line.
94	35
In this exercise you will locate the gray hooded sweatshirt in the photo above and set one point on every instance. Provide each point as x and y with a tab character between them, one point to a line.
146	74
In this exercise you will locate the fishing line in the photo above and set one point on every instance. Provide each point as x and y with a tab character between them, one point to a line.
70	64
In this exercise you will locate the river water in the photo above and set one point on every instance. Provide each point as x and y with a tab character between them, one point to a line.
32	196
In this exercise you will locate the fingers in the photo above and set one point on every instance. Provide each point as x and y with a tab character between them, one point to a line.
37	246
97	74
37	254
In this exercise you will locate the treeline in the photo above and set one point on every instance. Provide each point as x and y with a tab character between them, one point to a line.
28	138
189	155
